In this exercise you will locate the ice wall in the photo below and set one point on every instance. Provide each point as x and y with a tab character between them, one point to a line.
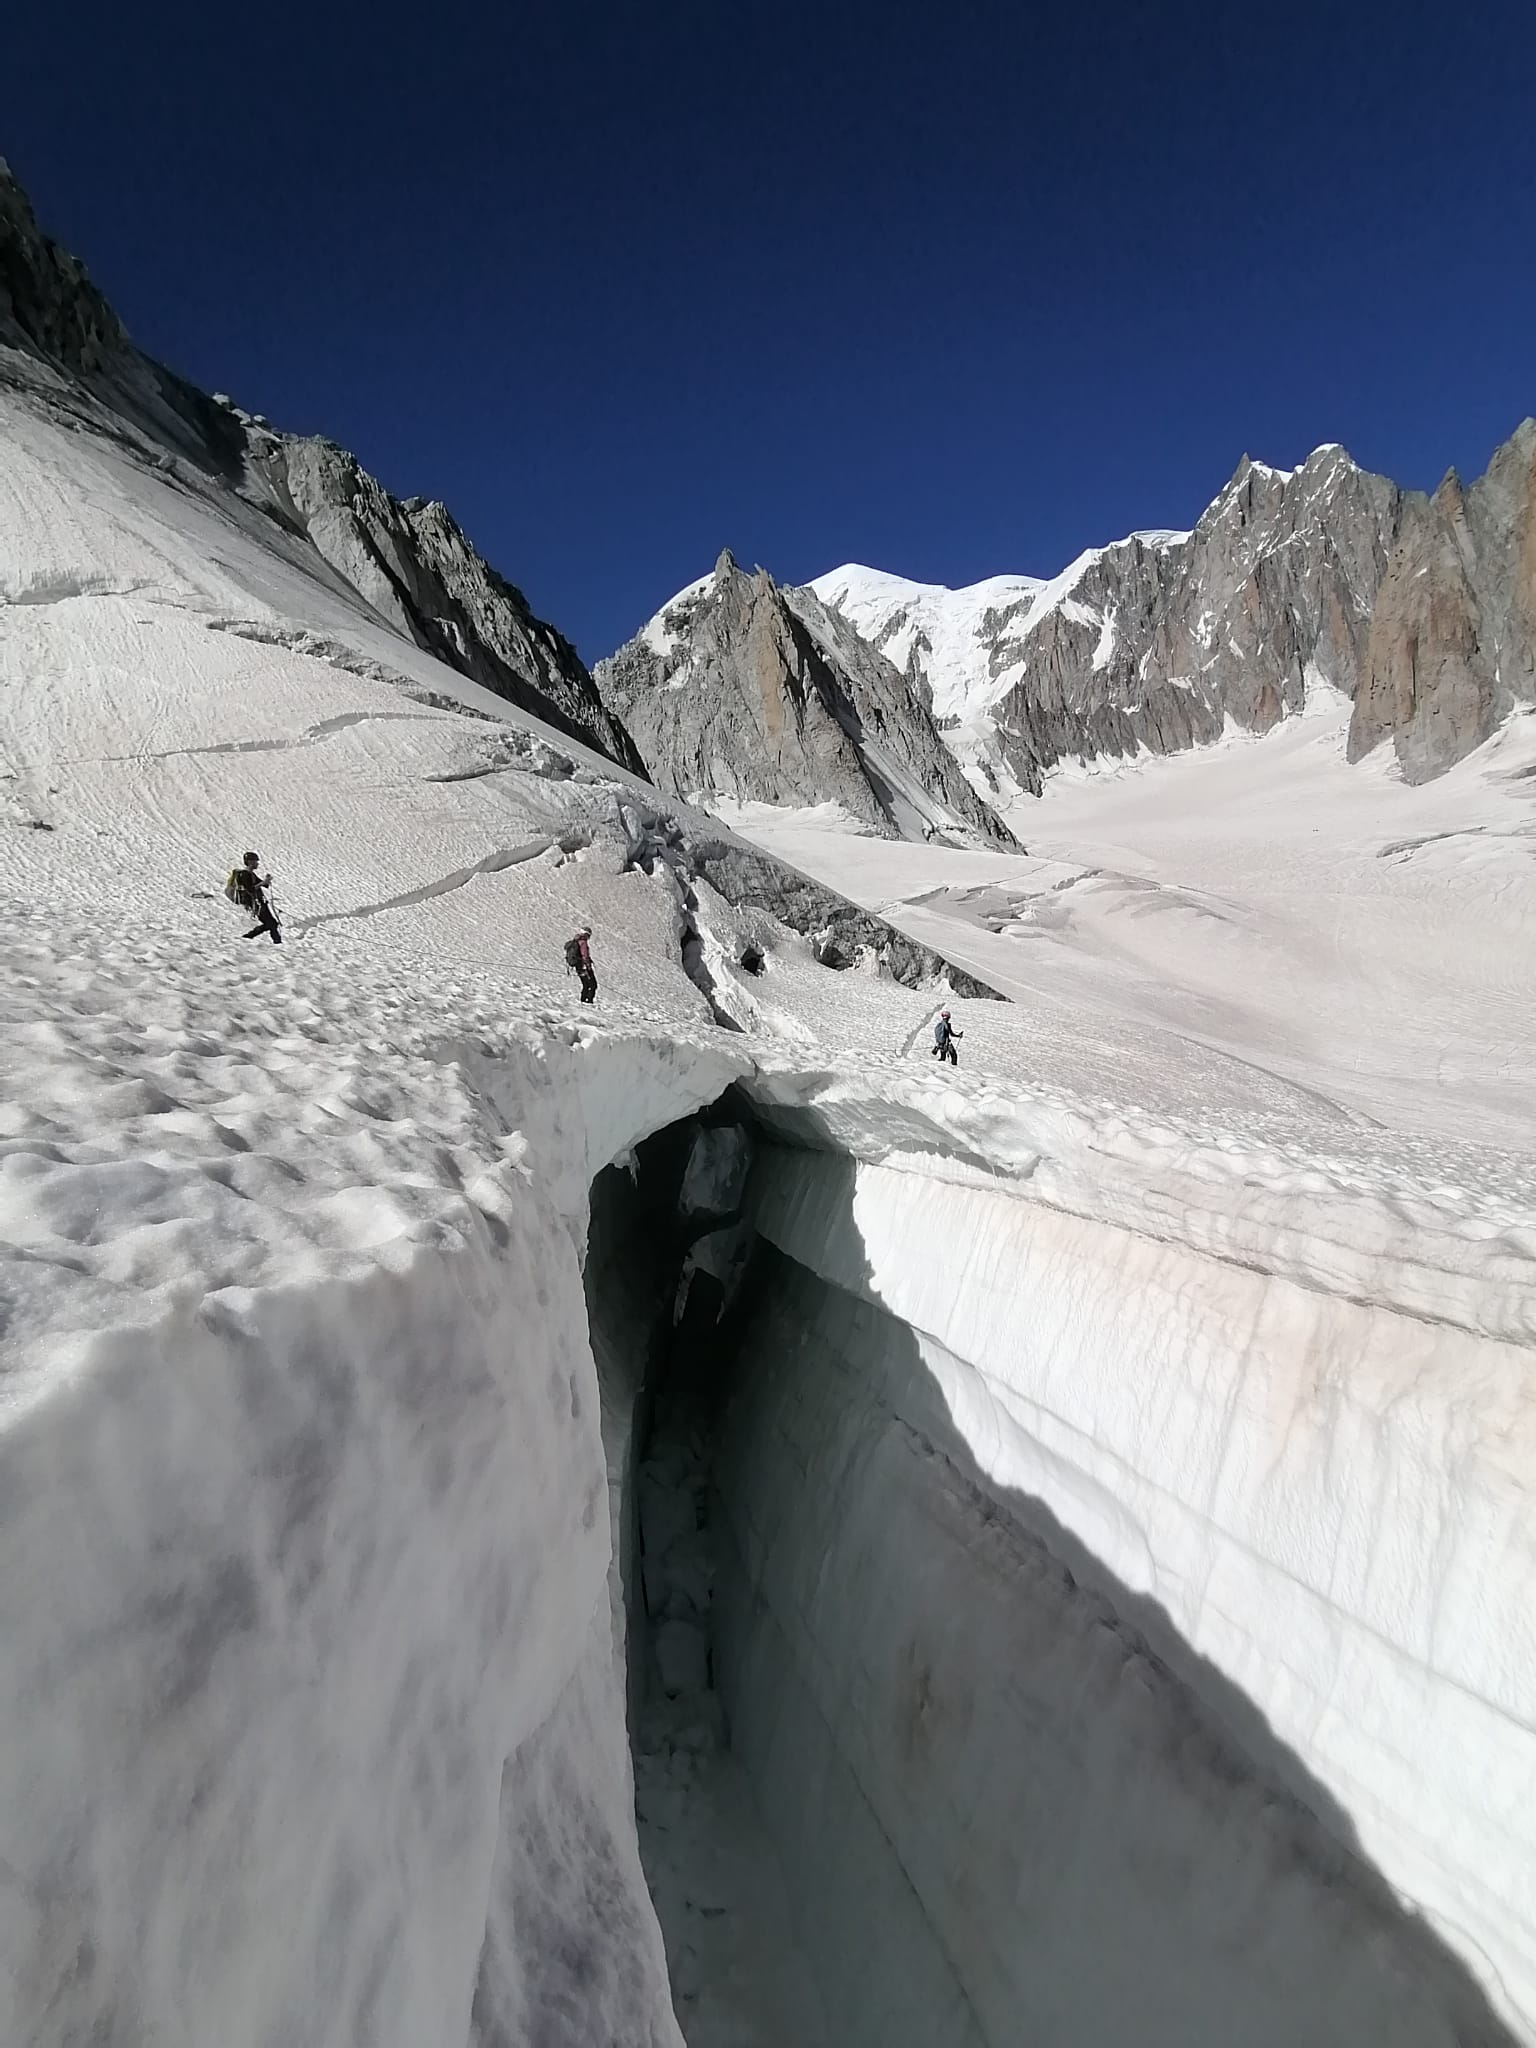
1110	1622
311	1723
1075	1572
294	1584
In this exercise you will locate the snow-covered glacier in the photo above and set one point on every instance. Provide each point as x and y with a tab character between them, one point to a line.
1102	1630
530	1525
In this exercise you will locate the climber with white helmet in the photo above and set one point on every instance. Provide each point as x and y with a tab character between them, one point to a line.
944	1036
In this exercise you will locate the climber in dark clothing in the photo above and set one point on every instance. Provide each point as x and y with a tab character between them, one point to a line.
248	887
944	1036
578	956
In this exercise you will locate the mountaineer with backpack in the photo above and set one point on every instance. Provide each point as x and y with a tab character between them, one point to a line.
944	1036
578	960
248	887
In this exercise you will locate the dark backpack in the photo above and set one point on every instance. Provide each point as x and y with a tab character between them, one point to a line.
941	1031
573	953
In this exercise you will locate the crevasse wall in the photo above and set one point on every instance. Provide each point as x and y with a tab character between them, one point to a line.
311	1724
299	1593
1108	1620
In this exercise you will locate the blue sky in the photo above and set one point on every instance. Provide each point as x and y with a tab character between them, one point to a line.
951	290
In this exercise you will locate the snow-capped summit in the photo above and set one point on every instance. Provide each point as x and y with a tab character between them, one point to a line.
664	630
1160	641
928	630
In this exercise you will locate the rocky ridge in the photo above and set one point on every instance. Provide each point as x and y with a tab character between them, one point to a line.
1152	643
1322	579
407	558
744	689
414	564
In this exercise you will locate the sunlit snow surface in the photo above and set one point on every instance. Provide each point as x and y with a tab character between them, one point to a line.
309	1725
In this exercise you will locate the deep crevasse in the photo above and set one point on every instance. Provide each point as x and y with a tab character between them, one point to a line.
320	1724
1016	1799
1312	1506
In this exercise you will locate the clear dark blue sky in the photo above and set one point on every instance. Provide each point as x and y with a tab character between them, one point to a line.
951	289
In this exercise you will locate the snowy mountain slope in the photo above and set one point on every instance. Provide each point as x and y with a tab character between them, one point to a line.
210	590
739	690
964	644
408	559
1199	1589
924	628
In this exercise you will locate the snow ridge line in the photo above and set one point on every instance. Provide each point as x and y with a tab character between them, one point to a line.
1358	1248
309	738
493	863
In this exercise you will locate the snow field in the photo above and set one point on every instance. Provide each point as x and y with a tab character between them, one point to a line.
1310	950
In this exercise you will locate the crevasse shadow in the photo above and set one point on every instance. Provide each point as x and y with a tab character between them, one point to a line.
1011	1803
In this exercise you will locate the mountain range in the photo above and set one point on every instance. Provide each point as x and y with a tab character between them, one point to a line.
918	710
1293	583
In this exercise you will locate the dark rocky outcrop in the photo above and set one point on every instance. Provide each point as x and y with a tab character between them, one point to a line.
46	300
840	933
414	564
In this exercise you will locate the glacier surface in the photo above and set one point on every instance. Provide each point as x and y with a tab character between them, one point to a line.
1118	1453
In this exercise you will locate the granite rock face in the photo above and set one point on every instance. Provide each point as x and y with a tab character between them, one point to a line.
1452	647
414	564
1293	583
739	688
1153	644
46	299
407	558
